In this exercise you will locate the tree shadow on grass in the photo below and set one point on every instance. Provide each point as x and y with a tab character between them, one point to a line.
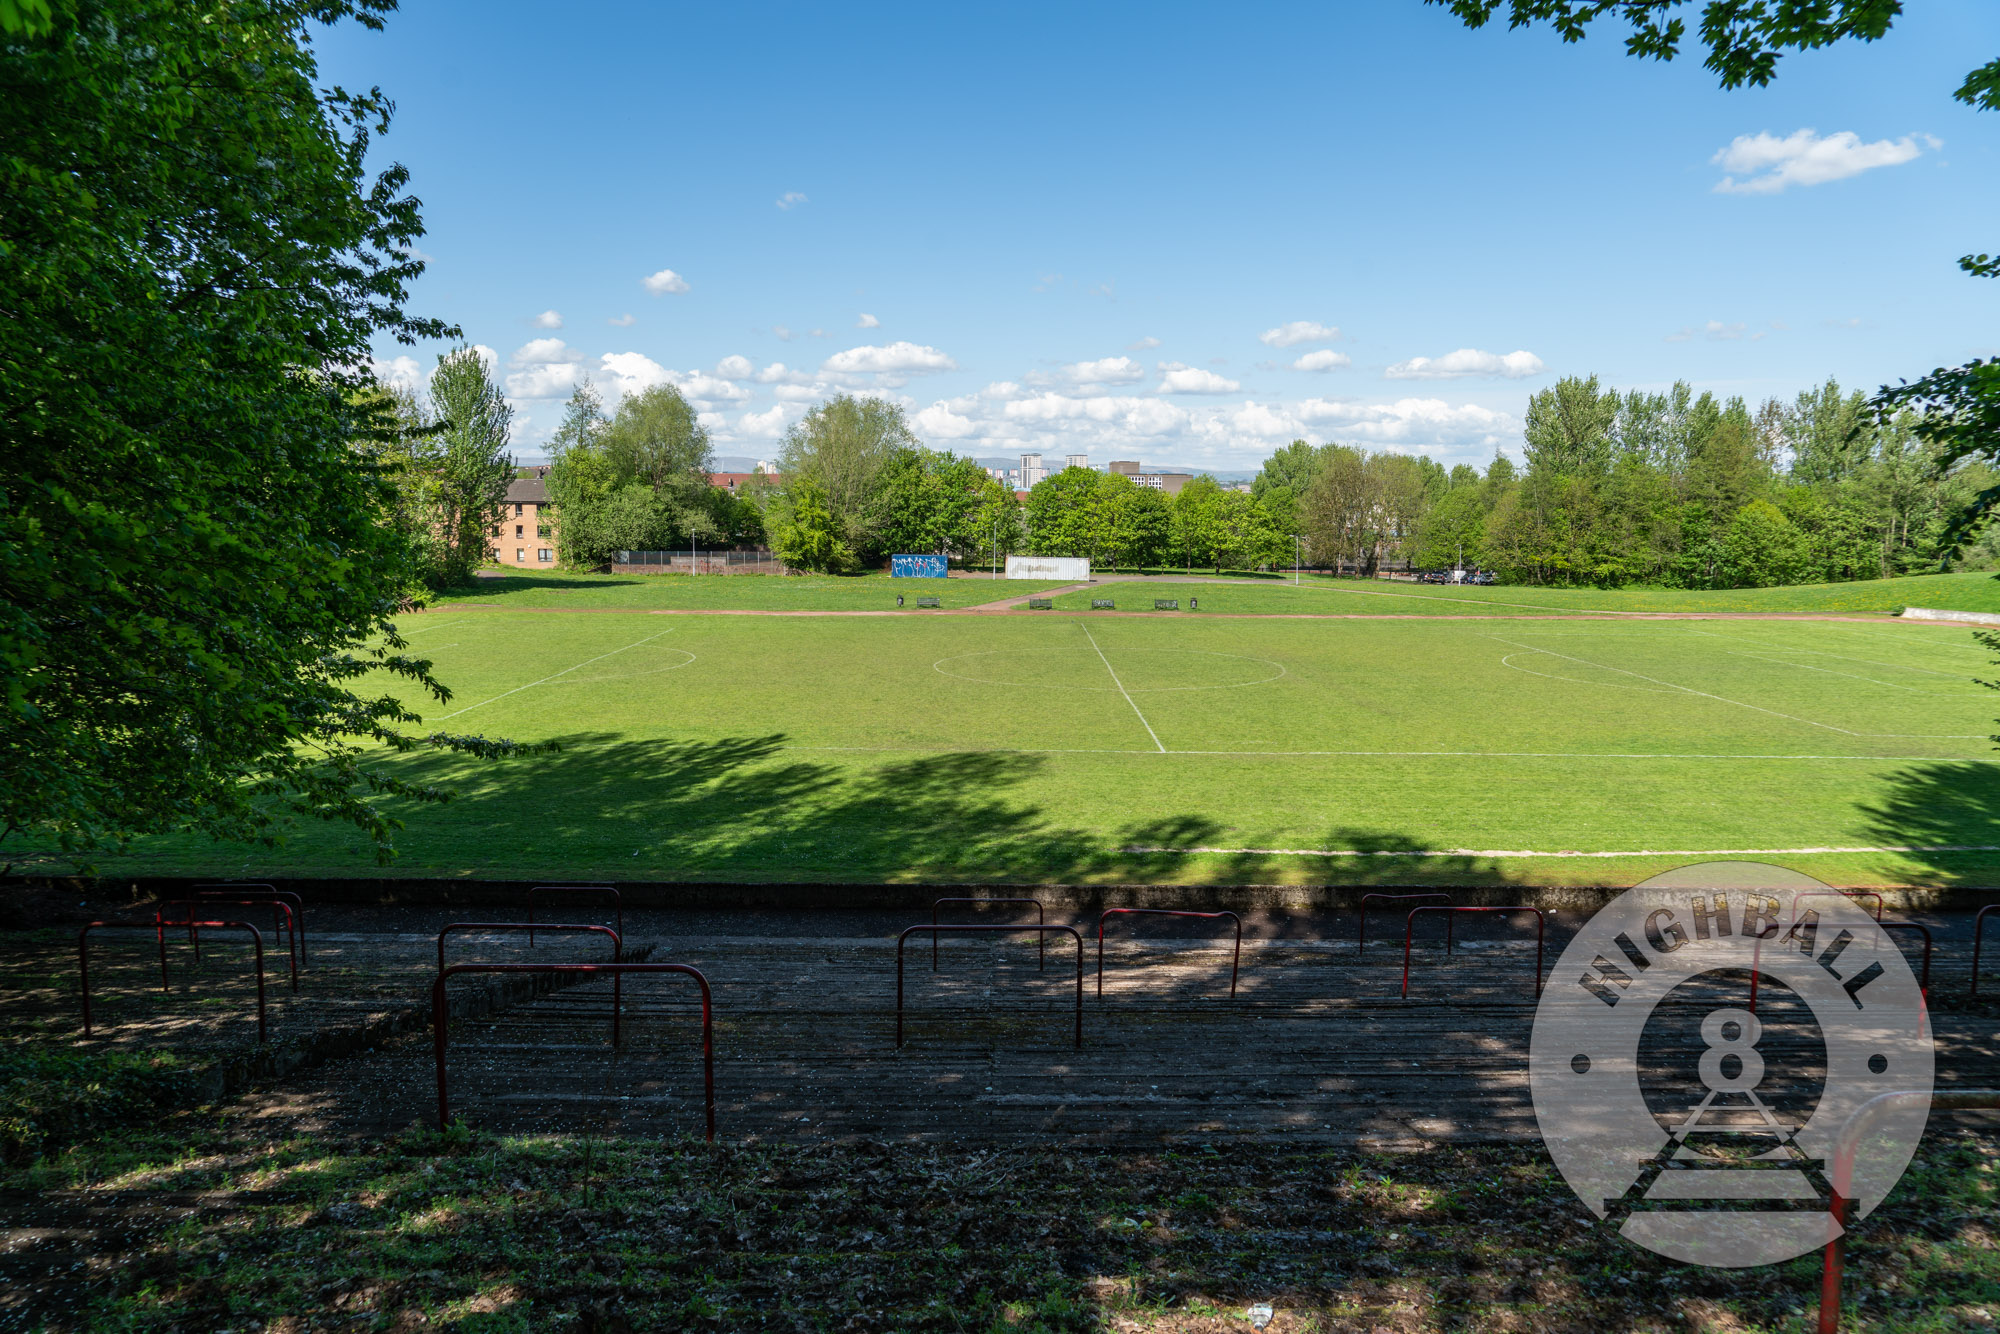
1943	805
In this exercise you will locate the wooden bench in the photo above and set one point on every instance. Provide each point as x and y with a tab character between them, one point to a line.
1166	604
927	602
1103	604
1041	604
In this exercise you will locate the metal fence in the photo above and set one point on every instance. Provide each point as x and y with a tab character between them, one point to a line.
749	560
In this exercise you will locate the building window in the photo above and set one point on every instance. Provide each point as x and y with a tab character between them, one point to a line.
496	555
517	509
520	556
541	530
545	555
517	530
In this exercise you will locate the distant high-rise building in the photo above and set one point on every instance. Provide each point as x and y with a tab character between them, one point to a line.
1125	467
1032	471
1076	460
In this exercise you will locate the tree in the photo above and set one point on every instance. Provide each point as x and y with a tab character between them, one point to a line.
938	503
469	471
809	536
842	446
202	564
1959	407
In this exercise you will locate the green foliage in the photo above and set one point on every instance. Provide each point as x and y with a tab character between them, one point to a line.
843	447
809	536
937	503
51	1096
635	481
200	566
457	479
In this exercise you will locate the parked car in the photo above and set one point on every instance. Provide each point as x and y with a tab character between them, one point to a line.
1483	577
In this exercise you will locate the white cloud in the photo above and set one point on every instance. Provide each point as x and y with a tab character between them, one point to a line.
1179	379
1299	331
630	373
1322	360
939	422
819	333
790	199
487	356
867	321
1715	331
784	334
766	425
899	358
802	393
1770	164
779	373
705	388
548	319
1851	322
543	368
1467	362
1105	370
1146	344
1417	422
734	368
398	372
665	281
622	321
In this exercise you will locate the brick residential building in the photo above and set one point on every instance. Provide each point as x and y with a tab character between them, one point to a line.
525	533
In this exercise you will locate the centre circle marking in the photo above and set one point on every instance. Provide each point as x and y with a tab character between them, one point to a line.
1090	656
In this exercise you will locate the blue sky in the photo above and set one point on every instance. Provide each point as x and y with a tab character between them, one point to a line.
1177	234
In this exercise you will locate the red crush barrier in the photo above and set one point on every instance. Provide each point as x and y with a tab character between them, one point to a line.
934	929
1041	918
1978	930
440	1021
1842	1179
194	934
617	903
1541	933
83	962
1235	961
617	953
260	890
1361	941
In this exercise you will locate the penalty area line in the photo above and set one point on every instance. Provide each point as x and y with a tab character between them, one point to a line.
1529	852
552	676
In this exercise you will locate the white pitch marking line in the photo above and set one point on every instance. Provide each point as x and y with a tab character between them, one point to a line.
419	629
1529	852
1122	690
564	672
1757	708
1393	754
1843	657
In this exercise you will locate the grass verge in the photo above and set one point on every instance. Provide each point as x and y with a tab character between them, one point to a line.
467	1232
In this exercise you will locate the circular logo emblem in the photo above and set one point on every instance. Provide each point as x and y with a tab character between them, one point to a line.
1701	1049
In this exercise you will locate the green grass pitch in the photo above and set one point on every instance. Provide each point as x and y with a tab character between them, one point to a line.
1086	747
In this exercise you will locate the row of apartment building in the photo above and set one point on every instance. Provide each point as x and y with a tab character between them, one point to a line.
1034	471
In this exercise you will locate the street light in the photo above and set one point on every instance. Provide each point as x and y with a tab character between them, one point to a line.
1295	560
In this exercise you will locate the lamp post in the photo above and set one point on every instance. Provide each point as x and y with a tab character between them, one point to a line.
1295	560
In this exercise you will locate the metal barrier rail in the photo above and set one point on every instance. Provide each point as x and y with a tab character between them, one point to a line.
1757	961
617	953
83	962
1361	941
1041	919
1541	933
965	929
617	903
1235	961
258	889
194	931
1978	930
440	1021
1834	1257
